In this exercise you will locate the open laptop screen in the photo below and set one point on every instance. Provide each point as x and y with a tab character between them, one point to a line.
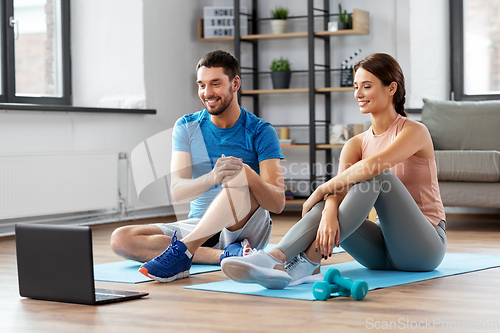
55	263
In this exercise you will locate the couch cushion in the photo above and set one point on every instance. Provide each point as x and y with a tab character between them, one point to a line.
468	165
463	125
470	194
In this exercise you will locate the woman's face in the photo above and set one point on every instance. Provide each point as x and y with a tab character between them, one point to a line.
371	94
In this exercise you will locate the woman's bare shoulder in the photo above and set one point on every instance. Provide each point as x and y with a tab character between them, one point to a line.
353	146
357	140
416	128
414	125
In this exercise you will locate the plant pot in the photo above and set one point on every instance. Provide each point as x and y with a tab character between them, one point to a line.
281	80
345	25
333	26
278	26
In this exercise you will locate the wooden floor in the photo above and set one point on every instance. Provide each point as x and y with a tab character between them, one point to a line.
461	302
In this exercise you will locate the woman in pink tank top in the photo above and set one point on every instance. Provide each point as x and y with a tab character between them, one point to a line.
390	167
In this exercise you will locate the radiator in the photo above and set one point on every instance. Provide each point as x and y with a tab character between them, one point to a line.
57	183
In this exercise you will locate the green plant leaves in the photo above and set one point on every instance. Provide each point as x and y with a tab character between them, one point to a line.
279	13
280	65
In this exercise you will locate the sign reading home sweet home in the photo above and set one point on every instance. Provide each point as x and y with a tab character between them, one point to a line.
219	22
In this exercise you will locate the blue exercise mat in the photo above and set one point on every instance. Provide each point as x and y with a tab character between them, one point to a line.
128	271
453	263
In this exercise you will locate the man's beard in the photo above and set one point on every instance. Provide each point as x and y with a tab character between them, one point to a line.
222	107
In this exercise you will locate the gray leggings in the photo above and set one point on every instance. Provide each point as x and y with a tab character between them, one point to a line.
405	240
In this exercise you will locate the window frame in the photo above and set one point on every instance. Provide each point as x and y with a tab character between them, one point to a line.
457	55
8	93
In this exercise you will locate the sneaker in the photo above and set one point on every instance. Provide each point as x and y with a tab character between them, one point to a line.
303	270
174	263
238	249
258	267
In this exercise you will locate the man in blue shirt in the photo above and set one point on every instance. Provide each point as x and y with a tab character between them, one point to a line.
226	163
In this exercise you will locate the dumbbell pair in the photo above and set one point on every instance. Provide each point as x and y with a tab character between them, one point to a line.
334	283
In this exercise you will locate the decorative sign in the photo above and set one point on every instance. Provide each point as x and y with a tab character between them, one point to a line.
219	22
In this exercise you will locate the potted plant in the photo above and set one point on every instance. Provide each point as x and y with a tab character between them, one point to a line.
278	23
345	20
280	73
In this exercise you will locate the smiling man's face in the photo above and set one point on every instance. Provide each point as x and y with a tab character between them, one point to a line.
215	89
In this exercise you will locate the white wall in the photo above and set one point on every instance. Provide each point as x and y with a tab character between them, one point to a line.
107	53
171	53
430	51
127	52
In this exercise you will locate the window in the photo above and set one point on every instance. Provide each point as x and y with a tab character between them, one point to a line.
475	46
35	54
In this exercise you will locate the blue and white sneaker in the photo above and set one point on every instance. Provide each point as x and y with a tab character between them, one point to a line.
174	263
239	249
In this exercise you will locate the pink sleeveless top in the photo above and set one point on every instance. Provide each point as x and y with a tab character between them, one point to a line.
419	175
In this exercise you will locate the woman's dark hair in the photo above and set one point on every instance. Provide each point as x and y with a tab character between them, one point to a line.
222	59
387	70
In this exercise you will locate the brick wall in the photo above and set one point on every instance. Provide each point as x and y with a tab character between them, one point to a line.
35	59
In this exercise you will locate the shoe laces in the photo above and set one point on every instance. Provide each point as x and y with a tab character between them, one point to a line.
173	248
294	262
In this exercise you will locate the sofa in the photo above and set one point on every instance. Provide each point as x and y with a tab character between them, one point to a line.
466	137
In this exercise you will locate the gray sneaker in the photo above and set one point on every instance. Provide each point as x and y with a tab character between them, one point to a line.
303	270
258	267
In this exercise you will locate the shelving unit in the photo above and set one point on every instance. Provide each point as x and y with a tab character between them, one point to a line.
361	26
325	146
275	91
294	91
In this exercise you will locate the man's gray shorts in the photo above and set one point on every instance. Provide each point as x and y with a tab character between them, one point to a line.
257	230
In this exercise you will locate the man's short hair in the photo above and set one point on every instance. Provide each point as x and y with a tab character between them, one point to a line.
223	59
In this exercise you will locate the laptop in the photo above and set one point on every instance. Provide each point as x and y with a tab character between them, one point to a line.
55	263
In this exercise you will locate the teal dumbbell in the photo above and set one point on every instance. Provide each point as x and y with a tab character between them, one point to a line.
358	289
333	282
322	290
